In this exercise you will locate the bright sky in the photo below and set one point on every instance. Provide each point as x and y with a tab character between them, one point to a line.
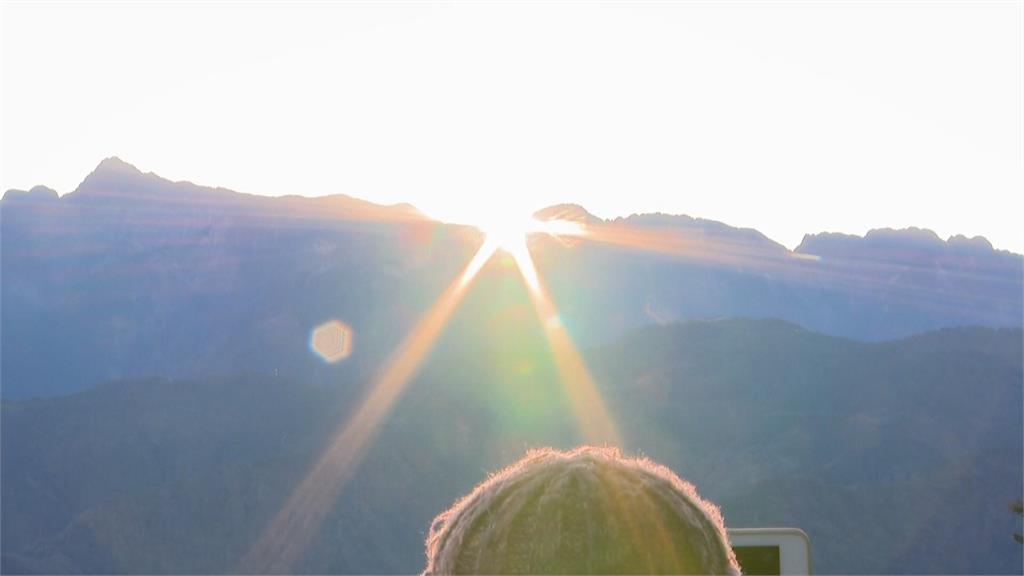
789	118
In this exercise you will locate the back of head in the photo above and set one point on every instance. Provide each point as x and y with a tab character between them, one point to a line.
588	511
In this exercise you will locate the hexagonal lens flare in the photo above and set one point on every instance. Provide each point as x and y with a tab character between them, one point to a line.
332	341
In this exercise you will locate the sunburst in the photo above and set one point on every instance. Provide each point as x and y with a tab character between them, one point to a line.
295	525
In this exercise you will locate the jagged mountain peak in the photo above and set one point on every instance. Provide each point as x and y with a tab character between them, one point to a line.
886	241
567	211
114	176
115	164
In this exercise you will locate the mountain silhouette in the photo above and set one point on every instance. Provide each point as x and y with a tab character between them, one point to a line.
131	275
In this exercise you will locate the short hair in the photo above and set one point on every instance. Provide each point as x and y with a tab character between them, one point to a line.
586	511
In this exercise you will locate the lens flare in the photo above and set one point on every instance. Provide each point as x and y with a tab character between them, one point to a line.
292	530
592	416
332	341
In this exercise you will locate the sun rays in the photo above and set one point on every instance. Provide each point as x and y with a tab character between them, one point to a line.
592	417
595	423
295	526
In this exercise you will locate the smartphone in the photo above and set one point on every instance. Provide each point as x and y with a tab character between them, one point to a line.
775	551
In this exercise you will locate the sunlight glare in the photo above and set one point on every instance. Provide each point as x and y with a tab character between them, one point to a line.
592	416
290	532
294	527
559	227
507	233
595	421
521	254
511	235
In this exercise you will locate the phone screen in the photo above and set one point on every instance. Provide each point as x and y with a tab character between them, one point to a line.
759	560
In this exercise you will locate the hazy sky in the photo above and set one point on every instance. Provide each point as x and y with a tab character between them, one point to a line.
790	118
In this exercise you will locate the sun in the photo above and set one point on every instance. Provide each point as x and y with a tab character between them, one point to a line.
510	234
507	230
506	233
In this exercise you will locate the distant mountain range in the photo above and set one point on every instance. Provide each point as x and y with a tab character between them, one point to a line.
161	398
895	457
131	275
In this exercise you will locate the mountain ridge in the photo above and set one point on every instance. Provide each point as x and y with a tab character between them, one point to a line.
147	277
776	424
113	166
115	179
922	239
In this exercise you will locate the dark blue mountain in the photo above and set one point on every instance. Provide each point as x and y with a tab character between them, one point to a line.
895	457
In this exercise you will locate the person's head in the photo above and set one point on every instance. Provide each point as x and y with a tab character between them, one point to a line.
588	511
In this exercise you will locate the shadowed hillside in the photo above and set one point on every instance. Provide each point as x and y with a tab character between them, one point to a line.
883	452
